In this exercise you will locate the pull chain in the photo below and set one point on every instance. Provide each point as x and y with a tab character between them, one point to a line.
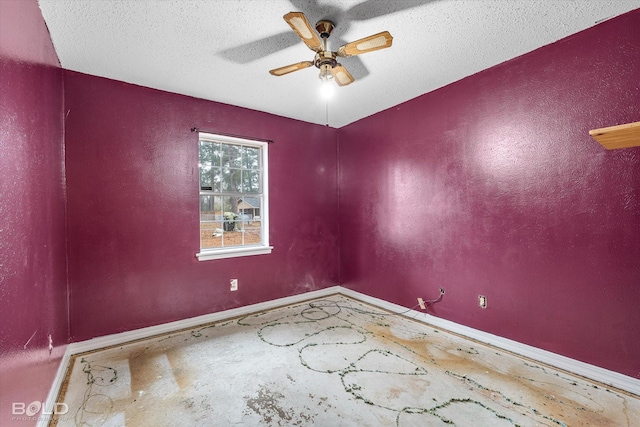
327	112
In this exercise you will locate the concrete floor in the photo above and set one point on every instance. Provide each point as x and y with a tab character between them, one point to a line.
330	362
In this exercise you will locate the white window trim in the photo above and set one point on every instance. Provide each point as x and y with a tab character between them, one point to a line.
233	252
240	251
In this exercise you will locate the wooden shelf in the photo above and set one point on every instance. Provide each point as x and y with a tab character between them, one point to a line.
621	136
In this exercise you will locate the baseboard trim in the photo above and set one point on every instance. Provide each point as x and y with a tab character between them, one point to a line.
192	322
138	334
52	397
596	373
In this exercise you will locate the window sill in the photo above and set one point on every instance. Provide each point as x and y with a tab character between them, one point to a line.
233	252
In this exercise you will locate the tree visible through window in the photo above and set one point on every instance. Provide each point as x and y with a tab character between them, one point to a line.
233	204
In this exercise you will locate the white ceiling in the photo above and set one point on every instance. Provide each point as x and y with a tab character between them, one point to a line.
222	50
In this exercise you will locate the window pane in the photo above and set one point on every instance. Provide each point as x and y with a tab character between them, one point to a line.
205	177
210	178
217	154
231	224
251	181
231	180
210	222
206	206
216	179
230	204
229	217
249	208
206	153
211	153
251	158
252	232
232	155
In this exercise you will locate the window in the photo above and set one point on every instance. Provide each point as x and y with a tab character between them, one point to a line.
234	214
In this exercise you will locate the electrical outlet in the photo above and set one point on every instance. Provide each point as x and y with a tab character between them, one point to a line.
442	291
482	301
234	284
421	303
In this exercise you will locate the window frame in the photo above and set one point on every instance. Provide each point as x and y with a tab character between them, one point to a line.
205	254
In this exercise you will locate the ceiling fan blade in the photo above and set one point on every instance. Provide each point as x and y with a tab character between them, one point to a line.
291	68
299	23
368	44
341	75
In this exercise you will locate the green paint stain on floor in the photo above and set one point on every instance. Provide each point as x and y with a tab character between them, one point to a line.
328	362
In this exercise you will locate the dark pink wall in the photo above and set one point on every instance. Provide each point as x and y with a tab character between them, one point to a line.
33	286
493	186
488	186
133	208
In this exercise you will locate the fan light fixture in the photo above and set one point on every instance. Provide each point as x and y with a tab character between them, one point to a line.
325	73
326	80
326	89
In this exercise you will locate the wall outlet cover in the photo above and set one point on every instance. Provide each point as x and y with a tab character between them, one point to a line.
482	301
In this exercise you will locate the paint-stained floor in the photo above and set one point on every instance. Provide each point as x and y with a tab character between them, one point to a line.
330	362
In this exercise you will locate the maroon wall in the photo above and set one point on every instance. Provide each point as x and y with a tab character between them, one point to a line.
133	208
488	186
493	186
33	286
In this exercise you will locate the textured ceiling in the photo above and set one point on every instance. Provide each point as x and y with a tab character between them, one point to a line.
222	50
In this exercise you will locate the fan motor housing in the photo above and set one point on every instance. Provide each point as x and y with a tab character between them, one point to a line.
325	57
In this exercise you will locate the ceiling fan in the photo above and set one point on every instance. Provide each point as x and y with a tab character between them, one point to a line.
326	60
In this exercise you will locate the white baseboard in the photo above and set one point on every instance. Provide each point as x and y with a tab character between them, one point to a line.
192	322
596	373
601	375
52	397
